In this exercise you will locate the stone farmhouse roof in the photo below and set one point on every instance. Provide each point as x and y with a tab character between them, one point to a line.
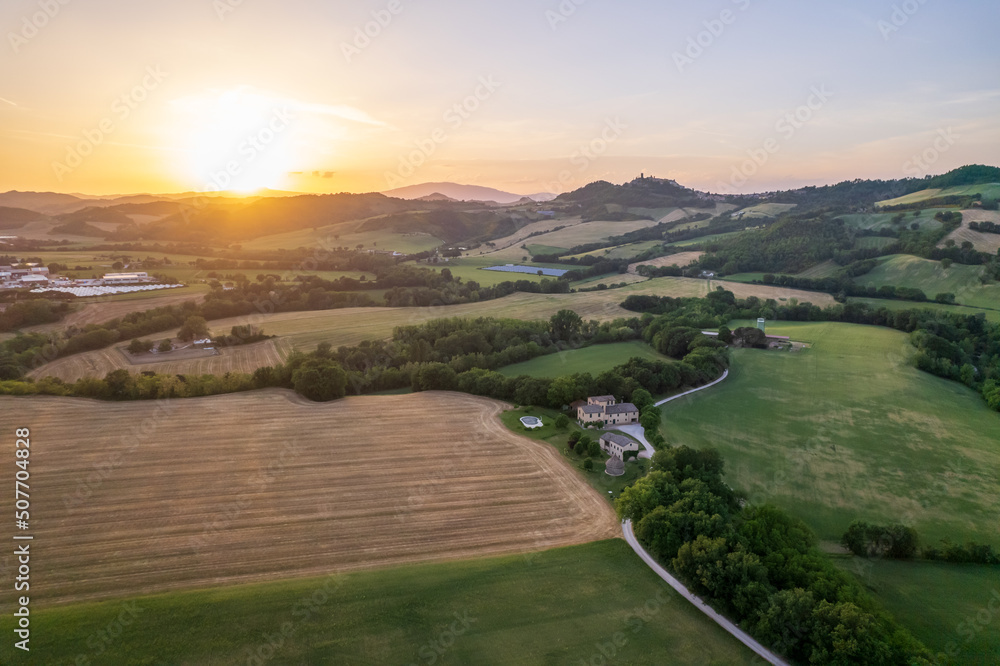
620	440
592	409
623	408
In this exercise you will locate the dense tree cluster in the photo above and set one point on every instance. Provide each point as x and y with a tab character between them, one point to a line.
895	542
31	313
985	227
759	566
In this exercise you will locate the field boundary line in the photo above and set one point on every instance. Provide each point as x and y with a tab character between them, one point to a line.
679	587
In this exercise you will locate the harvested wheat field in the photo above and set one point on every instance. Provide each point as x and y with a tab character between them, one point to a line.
98	363
982	242
136	498
681	259
350	326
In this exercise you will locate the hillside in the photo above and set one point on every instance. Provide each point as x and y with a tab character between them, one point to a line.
15	218
454	191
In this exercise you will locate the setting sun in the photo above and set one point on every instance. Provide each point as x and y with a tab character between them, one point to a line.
237	140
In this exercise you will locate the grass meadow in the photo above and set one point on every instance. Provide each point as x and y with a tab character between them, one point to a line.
904	270
848	429
598	603
952	608
594	359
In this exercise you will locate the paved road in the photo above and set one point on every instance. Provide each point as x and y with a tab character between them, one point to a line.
700	388
740	635
638	432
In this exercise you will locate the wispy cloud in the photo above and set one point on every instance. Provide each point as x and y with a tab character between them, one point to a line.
974	97
7	101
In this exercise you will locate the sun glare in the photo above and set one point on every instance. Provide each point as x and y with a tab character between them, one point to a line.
237	140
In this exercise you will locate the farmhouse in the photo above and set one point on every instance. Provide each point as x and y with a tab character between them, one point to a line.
617	446
603	408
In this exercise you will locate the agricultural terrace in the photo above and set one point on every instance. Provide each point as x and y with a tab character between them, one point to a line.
265	485
350	326
559	606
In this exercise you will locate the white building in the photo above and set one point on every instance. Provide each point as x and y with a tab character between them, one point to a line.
126	278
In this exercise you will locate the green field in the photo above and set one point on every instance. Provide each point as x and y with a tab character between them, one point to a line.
554	607
704	239
991	190
343	235
828	268
745	278
903	270
608	279
594	359
620	251
873	242
991	315
470	269
876	221
765	210
545	249
953	602
849	429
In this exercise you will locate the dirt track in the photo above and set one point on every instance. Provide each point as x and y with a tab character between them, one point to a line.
238	488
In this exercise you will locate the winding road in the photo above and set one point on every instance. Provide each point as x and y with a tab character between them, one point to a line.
679	587
637	432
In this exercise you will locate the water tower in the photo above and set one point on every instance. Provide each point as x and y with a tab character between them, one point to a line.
762	325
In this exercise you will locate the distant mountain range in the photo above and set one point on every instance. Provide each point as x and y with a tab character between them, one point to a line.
459	192
452	212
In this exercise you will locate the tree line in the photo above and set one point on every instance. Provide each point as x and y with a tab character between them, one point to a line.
900	542
963	348
759	566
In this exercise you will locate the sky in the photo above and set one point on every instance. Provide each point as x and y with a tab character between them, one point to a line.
102	97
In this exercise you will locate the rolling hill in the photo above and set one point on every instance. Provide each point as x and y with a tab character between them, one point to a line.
460	192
